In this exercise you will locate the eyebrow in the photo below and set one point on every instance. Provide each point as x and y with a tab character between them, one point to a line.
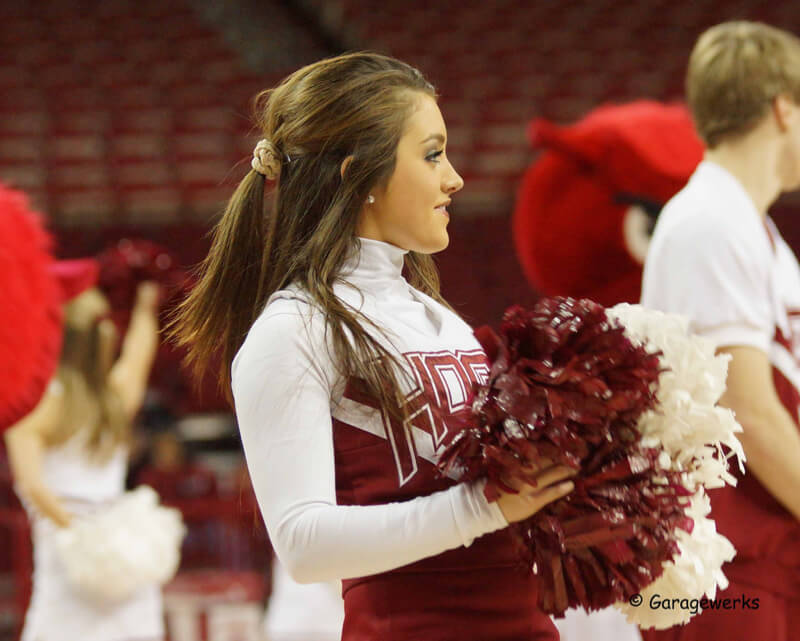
438	137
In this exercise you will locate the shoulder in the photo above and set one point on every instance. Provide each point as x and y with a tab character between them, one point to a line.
696	225
285	312
285	354
290	328
46	417
693	210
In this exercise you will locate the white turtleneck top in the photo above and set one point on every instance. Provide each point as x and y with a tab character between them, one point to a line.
290	399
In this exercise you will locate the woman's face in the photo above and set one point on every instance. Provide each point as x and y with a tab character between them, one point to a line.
410	211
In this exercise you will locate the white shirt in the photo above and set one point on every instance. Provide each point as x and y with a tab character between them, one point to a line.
286	389
715	259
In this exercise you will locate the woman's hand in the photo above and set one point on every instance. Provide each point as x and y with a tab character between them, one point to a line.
147	296
48	504
548	484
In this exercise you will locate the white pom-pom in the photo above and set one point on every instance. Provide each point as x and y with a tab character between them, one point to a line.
112	554
694	573
687	422
693	433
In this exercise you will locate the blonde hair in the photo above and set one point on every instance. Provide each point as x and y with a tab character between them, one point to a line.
735	70
351	106
91	406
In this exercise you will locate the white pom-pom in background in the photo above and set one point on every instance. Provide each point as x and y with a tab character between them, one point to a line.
694	434
113	553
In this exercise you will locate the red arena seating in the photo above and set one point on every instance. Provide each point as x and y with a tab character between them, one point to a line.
133	112
498	64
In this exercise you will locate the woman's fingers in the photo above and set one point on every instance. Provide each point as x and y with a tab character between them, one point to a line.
549	476
545	486
516	507
535	478
552	493
541	464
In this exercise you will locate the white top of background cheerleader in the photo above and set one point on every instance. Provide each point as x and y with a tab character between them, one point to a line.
58	611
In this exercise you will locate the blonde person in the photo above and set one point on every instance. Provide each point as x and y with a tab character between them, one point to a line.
69	458
347	367
717	257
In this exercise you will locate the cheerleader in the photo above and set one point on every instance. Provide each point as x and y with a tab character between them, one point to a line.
69	459
347	368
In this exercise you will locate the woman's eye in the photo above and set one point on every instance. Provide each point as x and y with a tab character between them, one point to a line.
434	156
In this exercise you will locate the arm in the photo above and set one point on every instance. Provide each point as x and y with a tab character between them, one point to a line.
719	276
281	385
770	438
26	443
130	373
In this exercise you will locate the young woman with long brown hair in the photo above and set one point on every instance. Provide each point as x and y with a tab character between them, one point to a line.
347	375
69	459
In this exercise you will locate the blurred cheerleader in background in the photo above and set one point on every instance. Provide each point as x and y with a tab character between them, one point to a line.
69	459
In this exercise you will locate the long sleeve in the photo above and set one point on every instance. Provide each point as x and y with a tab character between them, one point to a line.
282	381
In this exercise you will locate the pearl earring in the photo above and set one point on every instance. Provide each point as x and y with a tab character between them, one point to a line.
370	199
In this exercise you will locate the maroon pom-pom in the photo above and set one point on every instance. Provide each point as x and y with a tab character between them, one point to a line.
566	385
132	261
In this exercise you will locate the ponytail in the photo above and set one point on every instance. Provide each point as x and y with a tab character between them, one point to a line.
230	293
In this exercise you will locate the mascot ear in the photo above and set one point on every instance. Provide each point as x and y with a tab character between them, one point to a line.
570	141
643	147
542	133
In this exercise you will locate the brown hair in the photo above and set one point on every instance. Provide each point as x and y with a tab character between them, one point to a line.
735	70
90	403
355	105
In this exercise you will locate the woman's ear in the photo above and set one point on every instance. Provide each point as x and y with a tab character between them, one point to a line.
785	111
345	164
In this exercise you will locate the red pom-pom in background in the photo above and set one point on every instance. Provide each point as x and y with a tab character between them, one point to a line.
30	308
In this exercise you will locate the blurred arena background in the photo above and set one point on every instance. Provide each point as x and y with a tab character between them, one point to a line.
131	118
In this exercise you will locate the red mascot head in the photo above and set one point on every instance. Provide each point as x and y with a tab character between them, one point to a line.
587	206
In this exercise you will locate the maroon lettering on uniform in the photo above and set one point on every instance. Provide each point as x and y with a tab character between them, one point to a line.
444	383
